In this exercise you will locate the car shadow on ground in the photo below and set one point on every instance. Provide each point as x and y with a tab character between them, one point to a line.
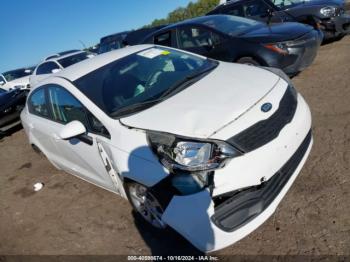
332	40
163	242
166	241
11	131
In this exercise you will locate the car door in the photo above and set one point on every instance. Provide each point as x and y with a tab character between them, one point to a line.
203	41
40	125
84	156
43	71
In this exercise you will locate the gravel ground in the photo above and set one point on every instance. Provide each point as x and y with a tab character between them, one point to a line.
70	216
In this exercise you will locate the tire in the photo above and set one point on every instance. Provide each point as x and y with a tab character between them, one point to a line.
145	202
248	61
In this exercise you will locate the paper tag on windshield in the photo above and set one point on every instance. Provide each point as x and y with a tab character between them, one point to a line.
153	52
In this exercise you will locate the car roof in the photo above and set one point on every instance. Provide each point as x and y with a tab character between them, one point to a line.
227	3
64	56
82	68
197	21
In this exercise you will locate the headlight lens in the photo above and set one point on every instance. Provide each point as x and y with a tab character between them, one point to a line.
190	161
181	154
281	48
328	11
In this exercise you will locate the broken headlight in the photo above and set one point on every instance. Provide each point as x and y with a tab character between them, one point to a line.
191	161
328	11
182	154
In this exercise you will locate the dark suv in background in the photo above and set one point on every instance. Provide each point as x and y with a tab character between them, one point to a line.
112	42
327	15
122	39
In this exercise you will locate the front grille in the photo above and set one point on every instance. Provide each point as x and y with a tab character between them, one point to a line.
339	11
249	203
264	131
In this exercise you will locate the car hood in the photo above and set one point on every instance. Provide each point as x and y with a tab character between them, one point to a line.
200	110
20	81
277	32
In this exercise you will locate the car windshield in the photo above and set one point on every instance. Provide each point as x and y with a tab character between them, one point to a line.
142	79
231	25
284	4
14	74
73	59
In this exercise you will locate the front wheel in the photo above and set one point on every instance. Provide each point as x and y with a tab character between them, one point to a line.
248	61
144	202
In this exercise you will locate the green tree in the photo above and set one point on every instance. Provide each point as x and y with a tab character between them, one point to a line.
193	9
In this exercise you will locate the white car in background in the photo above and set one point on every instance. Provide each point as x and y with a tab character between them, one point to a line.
56	63
18	78
208	148
61	54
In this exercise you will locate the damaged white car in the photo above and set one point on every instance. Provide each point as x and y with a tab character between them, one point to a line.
205	147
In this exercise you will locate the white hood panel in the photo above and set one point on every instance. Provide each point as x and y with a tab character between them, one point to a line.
215	100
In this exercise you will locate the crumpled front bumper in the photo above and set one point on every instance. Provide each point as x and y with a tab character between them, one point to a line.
210	225
339	25
209	228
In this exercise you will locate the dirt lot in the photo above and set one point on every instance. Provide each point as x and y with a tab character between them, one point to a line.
69	216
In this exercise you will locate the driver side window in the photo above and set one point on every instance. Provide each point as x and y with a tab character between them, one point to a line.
66	108
192	37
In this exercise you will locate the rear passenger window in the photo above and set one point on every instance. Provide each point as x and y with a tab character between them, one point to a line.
234	10
255	8
37	103
163	39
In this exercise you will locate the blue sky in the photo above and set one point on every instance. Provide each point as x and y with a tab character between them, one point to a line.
33	29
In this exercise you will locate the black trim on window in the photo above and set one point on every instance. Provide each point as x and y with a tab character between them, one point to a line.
90	129
30	107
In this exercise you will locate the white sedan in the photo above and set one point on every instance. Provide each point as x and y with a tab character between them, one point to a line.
18	78
55	63
205	147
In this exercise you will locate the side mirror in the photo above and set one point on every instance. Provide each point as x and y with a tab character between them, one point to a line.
56	70
72	129
2	83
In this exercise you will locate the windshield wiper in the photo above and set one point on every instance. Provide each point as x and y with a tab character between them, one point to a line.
131	108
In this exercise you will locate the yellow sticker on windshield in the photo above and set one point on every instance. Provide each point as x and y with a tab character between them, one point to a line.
153	52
